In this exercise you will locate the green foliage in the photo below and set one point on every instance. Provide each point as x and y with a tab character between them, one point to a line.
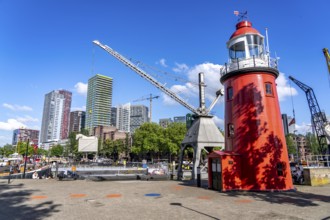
112	148
312	143
41	152
292	148
21	148
84	132
56	150
152	140
174	135
7	150
148	139
72	146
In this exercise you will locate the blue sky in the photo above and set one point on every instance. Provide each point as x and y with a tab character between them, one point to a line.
47	45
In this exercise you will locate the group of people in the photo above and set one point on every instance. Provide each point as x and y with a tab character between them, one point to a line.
36	175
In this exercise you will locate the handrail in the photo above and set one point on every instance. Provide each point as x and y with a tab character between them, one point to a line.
238	64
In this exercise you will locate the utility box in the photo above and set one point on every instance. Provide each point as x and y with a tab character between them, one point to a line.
224	171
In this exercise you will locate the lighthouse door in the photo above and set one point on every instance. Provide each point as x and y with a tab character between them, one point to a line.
216	174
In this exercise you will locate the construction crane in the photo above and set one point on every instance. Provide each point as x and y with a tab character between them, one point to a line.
327	57
150	106
201	111
320	122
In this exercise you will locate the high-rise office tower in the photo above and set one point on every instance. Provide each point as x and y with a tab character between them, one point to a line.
56	116
99	102
123	117
77	121
139	115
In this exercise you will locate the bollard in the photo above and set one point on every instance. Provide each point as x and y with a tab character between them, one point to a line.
198	176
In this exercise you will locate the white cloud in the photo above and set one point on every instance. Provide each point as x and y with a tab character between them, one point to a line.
303	128
17	107
180	67
162	62
27	118
11	124
81	88
83	108
191	90
283	88
218	121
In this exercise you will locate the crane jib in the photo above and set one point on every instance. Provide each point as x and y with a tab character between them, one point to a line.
143	74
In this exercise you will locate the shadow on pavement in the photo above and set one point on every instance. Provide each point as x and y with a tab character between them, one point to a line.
201	213
13	198
297	198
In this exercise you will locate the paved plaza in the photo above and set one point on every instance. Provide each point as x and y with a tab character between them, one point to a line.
137	199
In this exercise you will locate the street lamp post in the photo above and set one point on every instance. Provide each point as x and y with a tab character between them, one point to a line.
26	152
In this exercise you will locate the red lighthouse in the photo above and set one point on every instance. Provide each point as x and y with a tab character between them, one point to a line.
256	156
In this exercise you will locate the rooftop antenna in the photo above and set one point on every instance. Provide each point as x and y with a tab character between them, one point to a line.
241	15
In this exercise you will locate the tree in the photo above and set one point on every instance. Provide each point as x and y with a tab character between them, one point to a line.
56	150
291	145
106	148
21	146
148	140
7	150
174	135
84	132
312	143
72	146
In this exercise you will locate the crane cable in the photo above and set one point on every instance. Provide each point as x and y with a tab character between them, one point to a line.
294	115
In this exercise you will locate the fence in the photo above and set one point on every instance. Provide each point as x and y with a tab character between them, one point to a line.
316	161
238	64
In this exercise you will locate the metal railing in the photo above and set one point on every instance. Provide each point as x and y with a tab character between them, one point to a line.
317	161
240	63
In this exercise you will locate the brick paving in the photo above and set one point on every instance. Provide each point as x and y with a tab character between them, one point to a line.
83	199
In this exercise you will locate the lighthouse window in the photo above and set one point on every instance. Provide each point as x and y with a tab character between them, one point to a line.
269	89
280	169
230	93
230	130
237	50
255	44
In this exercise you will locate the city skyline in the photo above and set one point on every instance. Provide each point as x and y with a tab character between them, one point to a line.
41	52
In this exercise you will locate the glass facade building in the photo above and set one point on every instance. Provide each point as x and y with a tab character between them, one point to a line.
99	102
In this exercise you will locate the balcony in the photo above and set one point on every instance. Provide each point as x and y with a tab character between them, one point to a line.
244	63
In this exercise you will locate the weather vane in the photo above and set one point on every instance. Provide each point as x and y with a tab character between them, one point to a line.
241	15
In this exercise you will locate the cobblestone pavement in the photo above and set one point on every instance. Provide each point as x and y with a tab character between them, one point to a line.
82	199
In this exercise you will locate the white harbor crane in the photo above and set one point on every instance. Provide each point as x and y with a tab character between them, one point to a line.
203	133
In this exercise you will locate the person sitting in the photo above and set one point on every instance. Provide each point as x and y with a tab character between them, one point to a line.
35	175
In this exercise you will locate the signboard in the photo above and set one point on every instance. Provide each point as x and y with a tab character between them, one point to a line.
87	144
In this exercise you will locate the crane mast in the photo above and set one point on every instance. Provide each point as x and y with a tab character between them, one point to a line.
143	74
318	118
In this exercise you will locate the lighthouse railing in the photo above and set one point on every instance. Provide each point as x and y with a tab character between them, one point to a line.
242	63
